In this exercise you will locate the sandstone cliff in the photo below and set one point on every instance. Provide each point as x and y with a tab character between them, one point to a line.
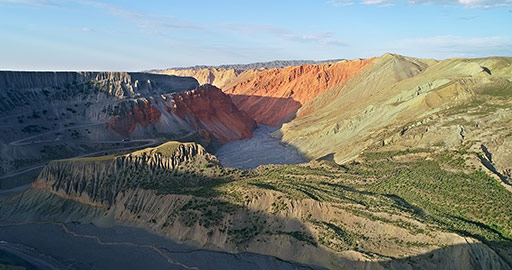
208	108
224	75
143	113
273	96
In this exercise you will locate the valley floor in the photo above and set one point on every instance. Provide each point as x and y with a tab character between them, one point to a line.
261	149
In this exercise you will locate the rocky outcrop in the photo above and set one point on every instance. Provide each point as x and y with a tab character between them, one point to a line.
99	181
78	111
222	75
132	104
208	108
273	96
121	98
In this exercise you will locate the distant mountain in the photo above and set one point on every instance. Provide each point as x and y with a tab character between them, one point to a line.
257	65
227	76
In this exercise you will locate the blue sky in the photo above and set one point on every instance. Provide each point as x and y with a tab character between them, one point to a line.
140	35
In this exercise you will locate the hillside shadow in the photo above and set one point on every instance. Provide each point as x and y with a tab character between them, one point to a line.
486	160
270	111
208	214
469	256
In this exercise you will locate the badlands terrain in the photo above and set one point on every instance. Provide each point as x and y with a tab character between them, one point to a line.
390	162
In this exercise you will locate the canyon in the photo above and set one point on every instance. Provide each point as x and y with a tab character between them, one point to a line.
390	162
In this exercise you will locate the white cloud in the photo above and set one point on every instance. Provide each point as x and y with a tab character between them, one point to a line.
30	2
340	3
465	3
376	2
149	23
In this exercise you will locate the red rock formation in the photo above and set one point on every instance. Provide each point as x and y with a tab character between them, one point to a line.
146	113
208	108
270	96
122	125
142	114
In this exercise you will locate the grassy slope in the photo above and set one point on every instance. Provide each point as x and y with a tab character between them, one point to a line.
395	90
467	202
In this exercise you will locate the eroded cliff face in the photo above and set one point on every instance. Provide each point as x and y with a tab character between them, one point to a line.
118	84
125	100
274	95
99	181
208	108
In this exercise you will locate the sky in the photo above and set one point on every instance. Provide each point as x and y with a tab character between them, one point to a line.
125	35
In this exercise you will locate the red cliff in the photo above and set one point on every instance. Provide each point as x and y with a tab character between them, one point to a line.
270	96
208	108
142	114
